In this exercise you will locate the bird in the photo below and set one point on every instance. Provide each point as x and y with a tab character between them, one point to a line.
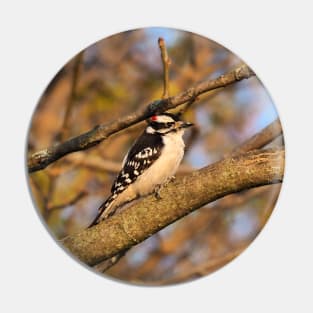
150	163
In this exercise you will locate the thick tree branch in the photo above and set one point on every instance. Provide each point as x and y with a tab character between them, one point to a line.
186	194
41	159
260	139
203	224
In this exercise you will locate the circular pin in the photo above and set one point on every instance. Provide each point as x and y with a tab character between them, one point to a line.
152	203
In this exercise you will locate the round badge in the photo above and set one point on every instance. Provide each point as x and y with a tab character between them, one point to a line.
155	156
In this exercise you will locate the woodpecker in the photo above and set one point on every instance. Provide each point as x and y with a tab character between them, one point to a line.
150	163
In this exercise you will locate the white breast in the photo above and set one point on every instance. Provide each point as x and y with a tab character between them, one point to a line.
164	167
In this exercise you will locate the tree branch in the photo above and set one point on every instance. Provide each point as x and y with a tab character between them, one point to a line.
166	63
257	141
204	268
73	201
41	159
261	139
173	245
72	97
188	193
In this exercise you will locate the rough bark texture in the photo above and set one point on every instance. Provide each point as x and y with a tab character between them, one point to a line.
184	195
41	159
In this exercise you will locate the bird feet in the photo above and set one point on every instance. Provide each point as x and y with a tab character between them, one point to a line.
170	179
158	188
157	192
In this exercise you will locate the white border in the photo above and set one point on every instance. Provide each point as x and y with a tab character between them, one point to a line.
39	37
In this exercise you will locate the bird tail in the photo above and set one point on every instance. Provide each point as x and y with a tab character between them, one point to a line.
104	211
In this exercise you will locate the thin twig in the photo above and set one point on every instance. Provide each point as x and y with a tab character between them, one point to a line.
204	268
72	97
38	189
105	265
166	63
78	197
261	139
48	196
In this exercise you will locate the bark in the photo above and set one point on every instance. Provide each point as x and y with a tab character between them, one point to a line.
186	194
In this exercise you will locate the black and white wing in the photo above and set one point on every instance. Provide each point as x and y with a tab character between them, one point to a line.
145	151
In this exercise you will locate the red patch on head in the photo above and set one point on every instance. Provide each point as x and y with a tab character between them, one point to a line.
154	118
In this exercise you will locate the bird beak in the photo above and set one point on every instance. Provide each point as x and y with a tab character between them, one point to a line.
184	124
181	124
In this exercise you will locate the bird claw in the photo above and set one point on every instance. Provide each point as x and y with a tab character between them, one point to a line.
157	192
171	179
158	188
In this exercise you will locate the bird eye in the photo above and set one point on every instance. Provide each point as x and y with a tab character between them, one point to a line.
169	124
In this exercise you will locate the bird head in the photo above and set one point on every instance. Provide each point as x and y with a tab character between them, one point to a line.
166	123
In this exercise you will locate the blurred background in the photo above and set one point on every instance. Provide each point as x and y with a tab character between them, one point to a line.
116	76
